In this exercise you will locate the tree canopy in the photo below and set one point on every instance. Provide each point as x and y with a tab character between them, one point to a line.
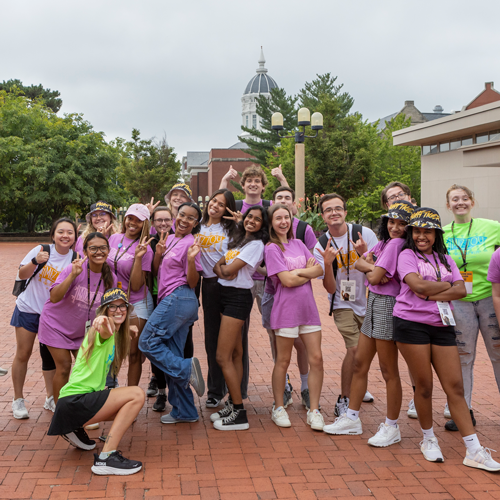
33	92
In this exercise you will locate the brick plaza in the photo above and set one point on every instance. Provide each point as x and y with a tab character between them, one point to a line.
195	461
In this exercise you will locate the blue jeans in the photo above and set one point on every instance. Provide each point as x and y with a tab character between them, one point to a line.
163	340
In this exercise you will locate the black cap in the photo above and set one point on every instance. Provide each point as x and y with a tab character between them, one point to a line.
113	294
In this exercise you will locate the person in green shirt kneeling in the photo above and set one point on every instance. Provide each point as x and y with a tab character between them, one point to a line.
84	399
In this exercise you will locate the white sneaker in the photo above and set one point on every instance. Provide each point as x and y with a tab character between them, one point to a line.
431	450
92	427
344	425
481	459
368	398
49	404
3	371
385	436
280	417
19	410
315	420
412	411
446	411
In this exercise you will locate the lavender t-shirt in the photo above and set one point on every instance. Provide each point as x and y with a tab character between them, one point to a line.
494	267
62	324
408	305
174	265
387	254
79	246
126	262
293	306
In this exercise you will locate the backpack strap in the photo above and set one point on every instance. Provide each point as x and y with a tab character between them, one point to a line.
46	248
239	205
266	203
323	241
301	230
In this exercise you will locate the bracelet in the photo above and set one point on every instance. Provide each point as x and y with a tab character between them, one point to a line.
33	261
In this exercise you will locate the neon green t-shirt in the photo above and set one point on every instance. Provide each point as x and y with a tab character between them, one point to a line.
91	376
484	236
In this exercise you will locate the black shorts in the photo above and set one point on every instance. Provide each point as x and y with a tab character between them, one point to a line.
236	302
73	412
410	332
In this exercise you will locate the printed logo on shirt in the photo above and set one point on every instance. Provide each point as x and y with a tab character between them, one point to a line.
110	359
48	274
475	245
428	271
211	243
80	296
342	258
231	255
295	262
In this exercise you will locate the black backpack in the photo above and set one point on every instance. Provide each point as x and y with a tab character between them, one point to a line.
21	285
301	230
239	204
323	241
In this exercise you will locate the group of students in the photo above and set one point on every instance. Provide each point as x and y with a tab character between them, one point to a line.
133	292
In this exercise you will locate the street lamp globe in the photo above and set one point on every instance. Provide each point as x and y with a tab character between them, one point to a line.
304	116
317	121
277	121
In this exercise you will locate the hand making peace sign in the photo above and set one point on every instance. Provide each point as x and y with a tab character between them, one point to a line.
194	249
150	205
162	243
142	247
236	216
77	267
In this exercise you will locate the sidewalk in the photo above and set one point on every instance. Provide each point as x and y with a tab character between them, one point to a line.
195	461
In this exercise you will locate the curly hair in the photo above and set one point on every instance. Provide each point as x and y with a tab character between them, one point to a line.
240	238
439	247
254	171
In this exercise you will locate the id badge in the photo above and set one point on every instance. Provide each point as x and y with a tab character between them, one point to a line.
446	313
348	290
87	326
467	276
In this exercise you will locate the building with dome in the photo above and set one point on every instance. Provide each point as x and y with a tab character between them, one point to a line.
203	170
260	84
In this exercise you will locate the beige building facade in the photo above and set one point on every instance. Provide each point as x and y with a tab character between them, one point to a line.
462	148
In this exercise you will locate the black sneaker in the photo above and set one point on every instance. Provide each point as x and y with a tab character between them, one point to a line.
212	403
152	387
452	426
160	403
225	412
237	421
79	439
116	464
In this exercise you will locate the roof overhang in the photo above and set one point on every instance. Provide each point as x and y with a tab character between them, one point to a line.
482	155
472	121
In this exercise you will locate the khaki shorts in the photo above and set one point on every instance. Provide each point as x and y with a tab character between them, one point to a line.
349	325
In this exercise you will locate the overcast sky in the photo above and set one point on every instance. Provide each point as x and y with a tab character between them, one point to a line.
180	68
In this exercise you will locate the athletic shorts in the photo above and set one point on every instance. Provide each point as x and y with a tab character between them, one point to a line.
236	302
28	321
410	332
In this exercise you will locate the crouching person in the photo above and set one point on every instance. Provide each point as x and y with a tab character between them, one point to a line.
84	401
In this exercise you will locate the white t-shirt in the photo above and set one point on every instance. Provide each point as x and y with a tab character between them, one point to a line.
213	241
34	297
253	254
359	305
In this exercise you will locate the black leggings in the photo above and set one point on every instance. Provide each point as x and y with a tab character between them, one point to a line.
48	363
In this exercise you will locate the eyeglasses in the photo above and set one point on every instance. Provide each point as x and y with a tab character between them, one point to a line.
94	250
163	221
114	307
337	210
189	218
98	214
398	196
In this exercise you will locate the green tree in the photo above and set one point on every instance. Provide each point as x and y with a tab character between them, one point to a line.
33	92
148	168
50	166
393	163
262	142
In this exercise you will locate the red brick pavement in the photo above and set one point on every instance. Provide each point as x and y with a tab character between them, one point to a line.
195	461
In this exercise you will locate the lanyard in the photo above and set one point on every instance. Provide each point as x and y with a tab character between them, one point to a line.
464	251
348	252
437	269
117	258
88	291
170	247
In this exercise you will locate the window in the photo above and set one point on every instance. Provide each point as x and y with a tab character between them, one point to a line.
254	121
480	138
426	150
455	144
434	148
495	135
246	121
444	146
467	141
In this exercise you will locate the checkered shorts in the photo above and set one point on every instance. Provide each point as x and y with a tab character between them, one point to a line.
378	319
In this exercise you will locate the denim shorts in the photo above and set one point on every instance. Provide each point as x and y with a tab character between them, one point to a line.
267	306
28	321
144	308
236	302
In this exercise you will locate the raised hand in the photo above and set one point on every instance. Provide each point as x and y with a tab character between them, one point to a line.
142	247
106	229
152	205
77	266
330	253
236	216
278	173
78	230
194	250
360	246
161	246
42	256
231	174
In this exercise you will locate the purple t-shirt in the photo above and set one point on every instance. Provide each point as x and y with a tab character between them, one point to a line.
125	263
387	257
79	246
174	265
494	267
62	324
292	306
408	305
310	239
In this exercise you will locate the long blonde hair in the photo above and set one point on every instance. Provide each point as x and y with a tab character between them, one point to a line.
122	342
91	229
